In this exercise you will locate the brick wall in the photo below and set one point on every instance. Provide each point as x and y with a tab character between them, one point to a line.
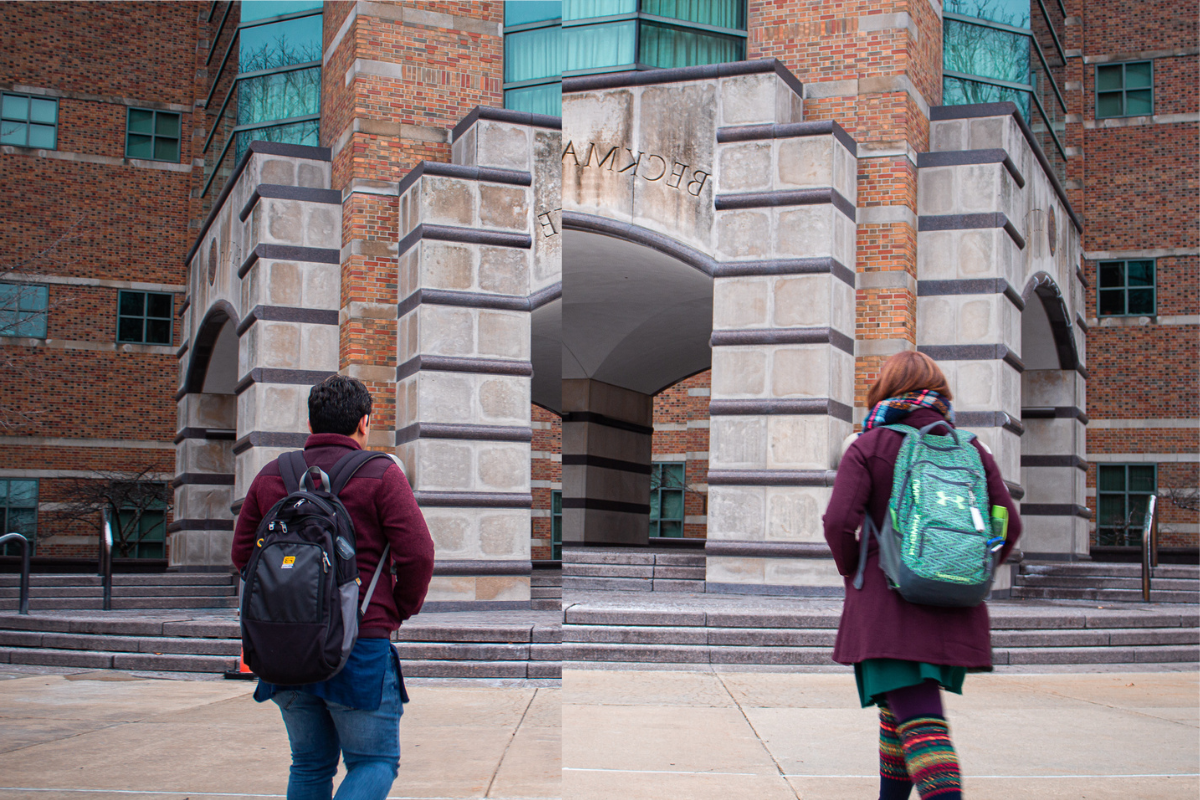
547	475
681	428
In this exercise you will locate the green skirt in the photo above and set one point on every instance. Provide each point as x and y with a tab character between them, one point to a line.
878	676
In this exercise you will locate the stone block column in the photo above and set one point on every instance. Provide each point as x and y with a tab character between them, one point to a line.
463	384
204	476
783	353
607	433
1054	465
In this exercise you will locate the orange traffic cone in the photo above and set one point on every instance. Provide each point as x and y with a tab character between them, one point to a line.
242	672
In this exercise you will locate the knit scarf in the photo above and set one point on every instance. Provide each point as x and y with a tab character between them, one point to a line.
894	409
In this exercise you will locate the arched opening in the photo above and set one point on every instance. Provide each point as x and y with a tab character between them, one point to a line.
1053	467
637	319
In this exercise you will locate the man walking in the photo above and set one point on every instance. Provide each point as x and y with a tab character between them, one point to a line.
357	712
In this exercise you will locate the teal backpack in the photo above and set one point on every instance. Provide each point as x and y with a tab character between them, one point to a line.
936	546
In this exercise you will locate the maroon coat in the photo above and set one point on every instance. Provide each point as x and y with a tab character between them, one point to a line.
381	504
876	621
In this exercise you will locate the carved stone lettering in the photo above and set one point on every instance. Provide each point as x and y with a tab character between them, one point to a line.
650	167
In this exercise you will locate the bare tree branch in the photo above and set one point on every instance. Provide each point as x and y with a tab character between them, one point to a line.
129	496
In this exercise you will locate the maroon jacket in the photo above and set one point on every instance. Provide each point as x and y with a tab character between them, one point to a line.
380	502
876	621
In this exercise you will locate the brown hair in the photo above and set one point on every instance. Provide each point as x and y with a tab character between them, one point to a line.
908	371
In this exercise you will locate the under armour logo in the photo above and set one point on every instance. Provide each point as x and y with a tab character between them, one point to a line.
957	500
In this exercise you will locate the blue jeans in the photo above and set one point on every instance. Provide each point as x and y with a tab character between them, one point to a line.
368	741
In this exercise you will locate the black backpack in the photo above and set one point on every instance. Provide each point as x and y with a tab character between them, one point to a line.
300	604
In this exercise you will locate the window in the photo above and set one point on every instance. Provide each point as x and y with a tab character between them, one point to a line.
533	57
666	499
152	135
1123	495
23	310
145	539
1125	90
556	524
144	317
1126	288
18	513
27	121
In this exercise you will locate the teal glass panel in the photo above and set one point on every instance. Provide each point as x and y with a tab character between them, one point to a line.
556	502
671	530
279	96
166	149
1112	275
158	331
167	125
591	9
42	137
959	92
1141	301
986	52
263	9
600	46
1108	78
672	504
1112	302
131	304
532	55
1008	12
721	13
655	507
1139	103
44	111
13	133
536	99
23	310
23	521
305	133
158	305
3	492
141	121
130	329
672	474
1141	273
22	494
1112	479
279	44
1138	75
667	46
522	12
1112	509
15	107
1141	479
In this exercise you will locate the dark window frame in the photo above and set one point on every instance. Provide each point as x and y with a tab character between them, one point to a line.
1125	288
145	317
43	291
657	488
556	523
1123	91
154	135
1106	535
28	121
14	549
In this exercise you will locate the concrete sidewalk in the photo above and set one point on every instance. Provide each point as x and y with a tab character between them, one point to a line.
110	736
722	735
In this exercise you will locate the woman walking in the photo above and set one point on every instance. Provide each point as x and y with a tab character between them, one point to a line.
903	653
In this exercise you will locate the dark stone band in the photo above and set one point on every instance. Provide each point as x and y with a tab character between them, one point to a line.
465	567
545	296
956	158
474	499
285	252
806	406
588	460
965	222
200	525
596	504
438	169
1056	412
753	336
788	130
275	191
307	316
971	286
291	377
1054	461
973	352
608	422
450	233
478	366
744	549
447	297
792	197
286	439
792	266
770	477
220	434
1055	510
481	433
988	419
203	479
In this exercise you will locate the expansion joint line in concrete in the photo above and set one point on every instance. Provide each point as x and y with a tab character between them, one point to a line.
512	738
767	750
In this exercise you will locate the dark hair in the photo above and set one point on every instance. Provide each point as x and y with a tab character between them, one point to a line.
908	371
336	404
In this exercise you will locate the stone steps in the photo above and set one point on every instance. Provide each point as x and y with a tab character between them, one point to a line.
632	570
168	590
545	589
1106	582
609	635
156	579
1103	595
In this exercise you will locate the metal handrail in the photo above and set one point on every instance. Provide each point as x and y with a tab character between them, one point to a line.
1149	545
106	545
23	607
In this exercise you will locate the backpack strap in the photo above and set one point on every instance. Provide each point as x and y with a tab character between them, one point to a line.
349	464
383	559
292	467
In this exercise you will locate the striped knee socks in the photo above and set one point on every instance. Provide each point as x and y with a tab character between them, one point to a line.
894	783
930	758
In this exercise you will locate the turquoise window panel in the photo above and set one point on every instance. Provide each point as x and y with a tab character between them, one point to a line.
152	135
280	44
1006	12
601	47
986	52
1123	496
667	487
307	132
593	9
719	13
253	10
23	310
524	12
27	121
18	513
669	46
545	99
960	92
532	55
282	95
